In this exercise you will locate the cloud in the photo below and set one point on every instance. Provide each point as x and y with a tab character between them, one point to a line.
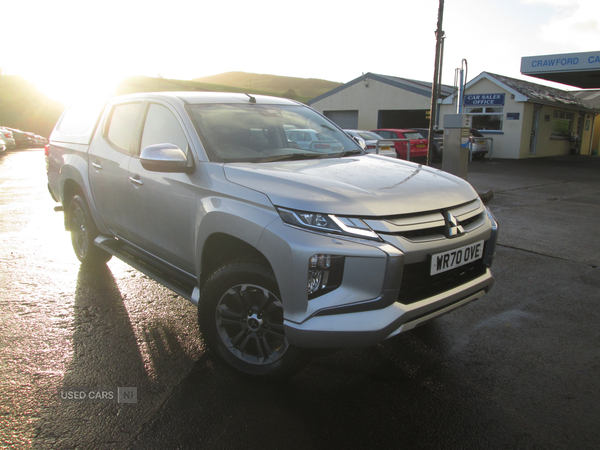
574	27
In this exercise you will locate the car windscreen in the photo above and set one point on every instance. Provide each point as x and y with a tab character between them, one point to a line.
264	133
368	136
413	135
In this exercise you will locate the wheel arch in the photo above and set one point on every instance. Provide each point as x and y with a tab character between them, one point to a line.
220	249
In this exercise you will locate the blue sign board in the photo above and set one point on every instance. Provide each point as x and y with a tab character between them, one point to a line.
484	99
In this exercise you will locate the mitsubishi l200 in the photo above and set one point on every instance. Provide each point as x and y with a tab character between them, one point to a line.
284	248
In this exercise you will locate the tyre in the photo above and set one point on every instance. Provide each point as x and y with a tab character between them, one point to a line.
83	232
241	319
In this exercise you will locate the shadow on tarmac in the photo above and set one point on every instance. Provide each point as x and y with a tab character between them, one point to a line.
106	356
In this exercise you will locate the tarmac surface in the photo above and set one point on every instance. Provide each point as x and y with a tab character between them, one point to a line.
518	369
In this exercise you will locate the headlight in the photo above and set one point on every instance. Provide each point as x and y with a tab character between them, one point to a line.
328	223
490	246
491	217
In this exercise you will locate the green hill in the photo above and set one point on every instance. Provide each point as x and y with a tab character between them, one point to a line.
302	89
22	106
148	84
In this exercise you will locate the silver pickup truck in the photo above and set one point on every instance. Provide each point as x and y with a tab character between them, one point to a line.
282	248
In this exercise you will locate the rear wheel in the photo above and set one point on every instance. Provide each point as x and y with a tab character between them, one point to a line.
83	232
241	319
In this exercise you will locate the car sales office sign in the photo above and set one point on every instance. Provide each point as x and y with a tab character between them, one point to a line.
485	100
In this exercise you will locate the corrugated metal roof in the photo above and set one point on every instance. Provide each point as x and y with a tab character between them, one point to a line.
417	87
445	89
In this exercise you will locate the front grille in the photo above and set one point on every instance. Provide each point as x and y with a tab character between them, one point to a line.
431	225
417	283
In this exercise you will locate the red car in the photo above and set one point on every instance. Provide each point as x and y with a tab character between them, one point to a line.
418	144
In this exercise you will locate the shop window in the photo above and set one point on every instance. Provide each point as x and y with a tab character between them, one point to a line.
562	124
486	117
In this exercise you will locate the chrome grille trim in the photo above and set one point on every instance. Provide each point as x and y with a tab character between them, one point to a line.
429	225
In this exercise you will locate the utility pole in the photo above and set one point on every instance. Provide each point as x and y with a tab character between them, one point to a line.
437	75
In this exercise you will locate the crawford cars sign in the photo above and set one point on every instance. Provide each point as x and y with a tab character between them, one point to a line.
560	63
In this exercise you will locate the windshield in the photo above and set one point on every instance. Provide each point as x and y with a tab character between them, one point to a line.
413	135
263	133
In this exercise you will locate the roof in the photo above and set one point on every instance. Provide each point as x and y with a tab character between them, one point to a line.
417	87
589	96
195	97
526	91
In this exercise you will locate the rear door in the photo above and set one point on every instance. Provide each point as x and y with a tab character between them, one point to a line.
109	158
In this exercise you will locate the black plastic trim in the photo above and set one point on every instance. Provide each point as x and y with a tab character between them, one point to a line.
179	282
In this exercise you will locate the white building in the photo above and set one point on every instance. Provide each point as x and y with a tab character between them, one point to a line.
525	119
378	101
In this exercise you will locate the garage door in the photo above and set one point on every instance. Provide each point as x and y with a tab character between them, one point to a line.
403	119
348	120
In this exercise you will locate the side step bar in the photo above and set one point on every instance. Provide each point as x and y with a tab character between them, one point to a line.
181	283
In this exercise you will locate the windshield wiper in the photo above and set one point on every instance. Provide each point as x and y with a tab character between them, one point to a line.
348	153
296	156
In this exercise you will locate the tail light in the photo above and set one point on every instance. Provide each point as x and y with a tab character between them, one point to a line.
47	150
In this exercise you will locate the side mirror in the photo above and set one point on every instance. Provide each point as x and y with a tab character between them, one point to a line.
165	158
360	141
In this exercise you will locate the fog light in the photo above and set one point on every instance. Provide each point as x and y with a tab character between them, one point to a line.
320	262
315	281
324	274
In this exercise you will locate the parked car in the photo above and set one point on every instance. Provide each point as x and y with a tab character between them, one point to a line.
418	144
40	141
308	139
479	146
386	148
436	146
31	138
8	138
2	145
22	138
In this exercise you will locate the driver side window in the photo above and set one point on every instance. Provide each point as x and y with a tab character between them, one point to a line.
162	127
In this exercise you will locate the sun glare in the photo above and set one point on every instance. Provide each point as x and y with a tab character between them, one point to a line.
71	90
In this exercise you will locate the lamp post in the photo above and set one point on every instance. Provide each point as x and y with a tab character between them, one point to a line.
437	74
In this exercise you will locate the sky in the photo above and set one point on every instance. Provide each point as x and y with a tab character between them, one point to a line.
73	50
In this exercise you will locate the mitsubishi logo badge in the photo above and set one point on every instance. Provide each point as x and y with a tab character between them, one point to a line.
453	228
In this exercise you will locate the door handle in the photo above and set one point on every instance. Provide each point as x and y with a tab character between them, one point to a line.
97	165
136	180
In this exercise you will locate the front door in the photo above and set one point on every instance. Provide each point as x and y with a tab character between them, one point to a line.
162	205
534	131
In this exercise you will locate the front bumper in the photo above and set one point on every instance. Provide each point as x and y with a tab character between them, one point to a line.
363	329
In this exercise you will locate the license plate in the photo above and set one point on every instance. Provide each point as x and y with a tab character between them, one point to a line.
442	262
420	145
384	148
